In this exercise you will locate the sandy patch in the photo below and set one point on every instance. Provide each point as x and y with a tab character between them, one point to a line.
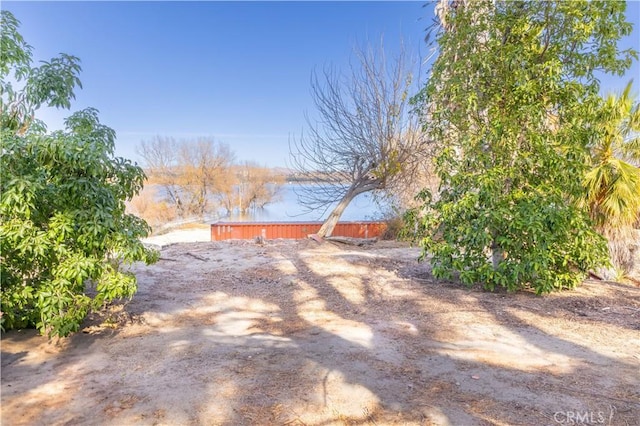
296	333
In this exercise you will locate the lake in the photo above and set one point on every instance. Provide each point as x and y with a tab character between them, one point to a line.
287	209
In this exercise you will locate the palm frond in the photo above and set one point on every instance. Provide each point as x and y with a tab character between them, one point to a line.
612	186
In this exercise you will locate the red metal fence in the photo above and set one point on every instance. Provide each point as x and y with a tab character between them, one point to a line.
291	230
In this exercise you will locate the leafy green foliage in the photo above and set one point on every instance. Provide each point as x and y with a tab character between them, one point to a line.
612	186
62	203
511	106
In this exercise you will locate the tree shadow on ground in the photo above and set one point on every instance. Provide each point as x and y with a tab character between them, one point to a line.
301	337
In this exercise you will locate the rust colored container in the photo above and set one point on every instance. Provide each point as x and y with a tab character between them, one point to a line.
291	230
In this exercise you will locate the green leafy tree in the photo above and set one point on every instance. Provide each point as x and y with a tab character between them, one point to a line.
64	232
512	104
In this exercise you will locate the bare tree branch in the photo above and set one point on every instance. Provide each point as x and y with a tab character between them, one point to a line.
365	137
189	172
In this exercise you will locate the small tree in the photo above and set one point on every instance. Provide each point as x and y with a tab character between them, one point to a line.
365	138
511	107
62	202
612	186
160	156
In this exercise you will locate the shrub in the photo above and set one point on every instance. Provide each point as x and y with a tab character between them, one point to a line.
62	202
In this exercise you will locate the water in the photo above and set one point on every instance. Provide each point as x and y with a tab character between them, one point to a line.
287	209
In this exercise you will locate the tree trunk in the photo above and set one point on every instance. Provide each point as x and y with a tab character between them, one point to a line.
497	255
330	223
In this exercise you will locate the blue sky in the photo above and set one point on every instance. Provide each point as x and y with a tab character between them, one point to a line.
236	71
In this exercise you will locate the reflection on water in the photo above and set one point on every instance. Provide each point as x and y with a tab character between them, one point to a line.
287	209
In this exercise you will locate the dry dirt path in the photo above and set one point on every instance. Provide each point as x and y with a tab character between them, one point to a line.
296	333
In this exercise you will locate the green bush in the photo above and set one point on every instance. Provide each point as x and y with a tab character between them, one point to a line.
512	110
62	204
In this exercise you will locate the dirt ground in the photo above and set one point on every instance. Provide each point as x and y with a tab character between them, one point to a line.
301	333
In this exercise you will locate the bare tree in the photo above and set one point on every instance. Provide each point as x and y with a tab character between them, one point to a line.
189	172
260	185
366	137
161	165
203	164
248	186
154	211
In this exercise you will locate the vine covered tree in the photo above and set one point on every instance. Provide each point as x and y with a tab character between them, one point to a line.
62	202
512	105
365	137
